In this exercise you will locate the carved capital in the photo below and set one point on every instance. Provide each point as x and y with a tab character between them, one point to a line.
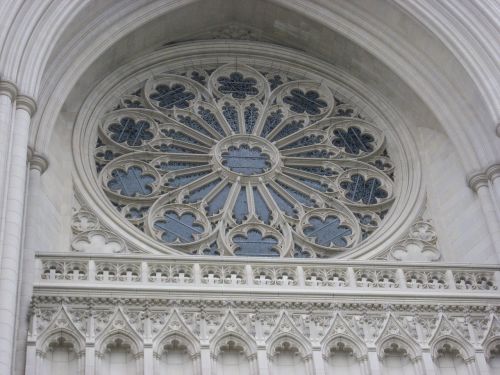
493	171
37	161
27	103
477	180
8	88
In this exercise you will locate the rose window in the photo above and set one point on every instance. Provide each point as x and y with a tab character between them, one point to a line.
235	160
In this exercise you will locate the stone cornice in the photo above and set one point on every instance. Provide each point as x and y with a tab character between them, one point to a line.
27	103
37	161
8	88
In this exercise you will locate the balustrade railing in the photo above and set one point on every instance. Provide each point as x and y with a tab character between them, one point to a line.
239	273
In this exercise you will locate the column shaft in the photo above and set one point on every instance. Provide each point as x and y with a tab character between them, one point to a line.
14	210
27	274
319	363
492	223
262	362
7	93
374	363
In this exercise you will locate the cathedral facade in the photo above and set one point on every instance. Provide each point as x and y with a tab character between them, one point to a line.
265	187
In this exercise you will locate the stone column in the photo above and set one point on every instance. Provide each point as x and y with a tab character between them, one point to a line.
8	92
427	361
374	362
482	364
479	183
493	174
471	366
14	210
318	361
37	165
206	359
262	360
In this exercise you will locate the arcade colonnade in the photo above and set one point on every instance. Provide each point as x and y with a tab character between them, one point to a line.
52	53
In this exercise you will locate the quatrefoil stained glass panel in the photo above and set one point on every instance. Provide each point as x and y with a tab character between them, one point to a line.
244	161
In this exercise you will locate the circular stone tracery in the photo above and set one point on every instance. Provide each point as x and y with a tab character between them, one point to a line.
233	160
246	155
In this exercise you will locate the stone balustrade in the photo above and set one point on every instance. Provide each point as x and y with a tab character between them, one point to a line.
244	274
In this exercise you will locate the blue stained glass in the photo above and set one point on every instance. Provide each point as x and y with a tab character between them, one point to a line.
201	192
240	209
174	149
308	140
317	185
179	181
193	124
261	209
341	112
275	81
129	103
318	154
176	165
181	228
170	97
245	160
131	182
238	86
211	120
136	213
301	197
107	155
200	78
289	129
299	252
316	170
381	164
366	191
308	102
353	141
231	115
255	244
127	130
272	121
251	115
179	136
366	219
282	203
328	232
212	250
217	202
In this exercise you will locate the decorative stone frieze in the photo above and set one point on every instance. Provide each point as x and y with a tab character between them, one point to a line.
164	303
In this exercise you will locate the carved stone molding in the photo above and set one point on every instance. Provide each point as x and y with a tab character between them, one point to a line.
8	88
419	244
37	161
479	179
26	103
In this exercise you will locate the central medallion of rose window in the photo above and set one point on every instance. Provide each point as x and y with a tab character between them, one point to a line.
246	155
246	160
234	160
